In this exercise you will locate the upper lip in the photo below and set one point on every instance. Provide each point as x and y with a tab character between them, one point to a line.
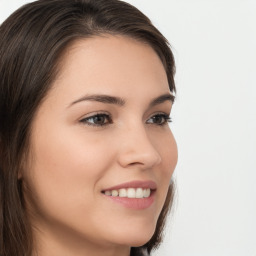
134	184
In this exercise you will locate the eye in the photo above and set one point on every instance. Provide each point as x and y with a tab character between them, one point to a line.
97	120
159	119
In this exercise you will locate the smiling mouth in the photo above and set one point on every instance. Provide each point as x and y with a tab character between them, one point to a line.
129	192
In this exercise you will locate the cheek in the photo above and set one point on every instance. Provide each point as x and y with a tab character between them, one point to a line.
167	148
170	155
66	167
69	153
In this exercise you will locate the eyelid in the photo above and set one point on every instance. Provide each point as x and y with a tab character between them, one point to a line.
108	117
166	116
84	119
160	113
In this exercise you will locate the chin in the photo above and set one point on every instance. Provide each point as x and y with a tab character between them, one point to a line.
137	237
140	241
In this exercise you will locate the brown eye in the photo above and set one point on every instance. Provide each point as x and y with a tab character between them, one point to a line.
159	119
97	120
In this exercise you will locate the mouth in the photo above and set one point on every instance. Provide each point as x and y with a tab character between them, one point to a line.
136	194
129	192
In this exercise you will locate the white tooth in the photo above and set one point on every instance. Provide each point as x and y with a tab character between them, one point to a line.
146	192
114	193
139	193
108	193
122	192
131	193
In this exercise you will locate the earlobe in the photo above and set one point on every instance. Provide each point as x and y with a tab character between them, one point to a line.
19	175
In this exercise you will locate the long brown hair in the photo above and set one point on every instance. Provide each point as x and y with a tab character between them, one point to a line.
32	41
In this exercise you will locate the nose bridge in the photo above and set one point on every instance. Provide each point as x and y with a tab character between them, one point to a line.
137	147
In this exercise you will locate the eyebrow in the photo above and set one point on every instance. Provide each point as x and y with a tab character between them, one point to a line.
120	101
101	98
162	99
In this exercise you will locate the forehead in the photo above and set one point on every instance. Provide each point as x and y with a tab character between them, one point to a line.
112	64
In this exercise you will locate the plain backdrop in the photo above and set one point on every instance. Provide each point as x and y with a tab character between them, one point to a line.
214	122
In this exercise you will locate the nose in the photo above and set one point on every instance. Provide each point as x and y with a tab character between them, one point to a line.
136	148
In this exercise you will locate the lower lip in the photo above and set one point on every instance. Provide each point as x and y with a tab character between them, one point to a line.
134	203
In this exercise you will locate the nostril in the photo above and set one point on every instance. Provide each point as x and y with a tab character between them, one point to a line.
135	163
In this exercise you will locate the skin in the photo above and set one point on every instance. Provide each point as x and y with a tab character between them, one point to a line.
71	162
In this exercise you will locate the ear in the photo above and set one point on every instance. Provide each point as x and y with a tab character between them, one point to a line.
21	171
19	175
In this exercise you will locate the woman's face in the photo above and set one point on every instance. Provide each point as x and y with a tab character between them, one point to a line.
99	139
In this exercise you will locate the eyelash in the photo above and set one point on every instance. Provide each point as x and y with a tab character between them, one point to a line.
165	118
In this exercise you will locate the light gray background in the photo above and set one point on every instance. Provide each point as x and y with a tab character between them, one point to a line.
214	43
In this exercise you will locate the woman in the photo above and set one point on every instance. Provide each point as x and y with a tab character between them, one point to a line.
86	151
